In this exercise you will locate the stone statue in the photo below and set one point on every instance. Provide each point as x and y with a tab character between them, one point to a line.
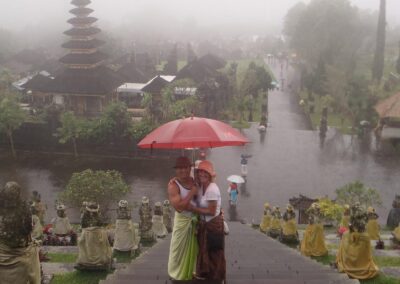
37	232
276	226
373	227
158	227
313	242
61	232
19	256
61	224
354	255
39	206
289	227
145	225
346	217
95	252
126	235
393	219
167	216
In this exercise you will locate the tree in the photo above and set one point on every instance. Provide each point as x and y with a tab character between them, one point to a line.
171	68
113	124
103	187
72	129
292	18
331	211
379	58
191	55
11	118
358	192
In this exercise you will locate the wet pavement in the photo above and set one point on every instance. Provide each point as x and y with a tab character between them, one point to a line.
287	161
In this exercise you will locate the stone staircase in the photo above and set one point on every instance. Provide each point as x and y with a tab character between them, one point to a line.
251	258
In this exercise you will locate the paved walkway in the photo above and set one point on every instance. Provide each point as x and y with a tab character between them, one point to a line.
251	258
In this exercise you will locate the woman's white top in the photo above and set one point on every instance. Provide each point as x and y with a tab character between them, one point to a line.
183	192
211	194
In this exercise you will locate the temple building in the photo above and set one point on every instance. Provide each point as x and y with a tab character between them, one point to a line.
85	84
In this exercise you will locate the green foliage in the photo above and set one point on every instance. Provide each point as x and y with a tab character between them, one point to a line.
11	117
140	129
255	79
11	114
103	187
72	128
360	99
358	192
330	210
114	123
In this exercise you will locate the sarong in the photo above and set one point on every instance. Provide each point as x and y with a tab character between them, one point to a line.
373	229
313	242
158	227
126	238
354	256
396	234
211	263
94	248
19	265
265	223
289	228
184	248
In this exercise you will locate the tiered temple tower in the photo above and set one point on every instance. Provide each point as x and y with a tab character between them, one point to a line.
82	46
85	85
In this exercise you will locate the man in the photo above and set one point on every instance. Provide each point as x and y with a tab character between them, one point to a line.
184	247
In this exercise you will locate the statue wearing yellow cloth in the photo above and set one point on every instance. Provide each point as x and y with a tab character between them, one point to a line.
354	256
289	226
19	256
346	217
95	252
276	226
266	219
313	242
373	227
396	235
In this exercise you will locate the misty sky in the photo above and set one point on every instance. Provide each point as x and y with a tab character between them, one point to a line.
22	14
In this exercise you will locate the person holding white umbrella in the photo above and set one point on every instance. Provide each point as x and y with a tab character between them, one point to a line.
233	188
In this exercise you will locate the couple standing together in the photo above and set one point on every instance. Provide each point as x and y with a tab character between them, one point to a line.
198	240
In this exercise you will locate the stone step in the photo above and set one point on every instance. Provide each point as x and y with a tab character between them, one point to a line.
251	258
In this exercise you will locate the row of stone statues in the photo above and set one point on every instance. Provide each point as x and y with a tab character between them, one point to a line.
357	228
280	226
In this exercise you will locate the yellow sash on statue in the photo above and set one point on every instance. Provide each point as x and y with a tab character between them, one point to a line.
354	256
265	223
373	229
313	243
289	227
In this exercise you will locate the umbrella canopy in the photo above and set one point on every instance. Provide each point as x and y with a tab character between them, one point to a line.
193	132
235	179
389	107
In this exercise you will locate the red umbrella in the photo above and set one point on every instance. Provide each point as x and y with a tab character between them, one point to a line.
193	132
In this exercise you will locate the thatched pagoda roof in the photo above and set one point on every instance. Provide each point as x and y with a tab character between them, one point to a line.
83	58
390	107
82	21
131	74
97	81
80	2
81	11
82	32
83	44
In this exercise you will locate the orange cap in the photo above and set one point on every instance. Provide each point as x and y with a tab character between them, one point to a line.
208	167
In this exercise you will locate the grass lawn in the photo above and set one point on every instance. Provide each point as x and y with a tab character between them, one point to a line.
381	279
80	277
63	257
240	124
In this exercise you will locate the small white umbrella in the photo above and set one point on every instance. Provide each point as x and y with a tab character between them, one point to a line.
236	179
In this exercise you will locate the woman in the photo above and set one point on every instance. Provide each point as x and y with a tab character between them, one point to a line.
211	264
